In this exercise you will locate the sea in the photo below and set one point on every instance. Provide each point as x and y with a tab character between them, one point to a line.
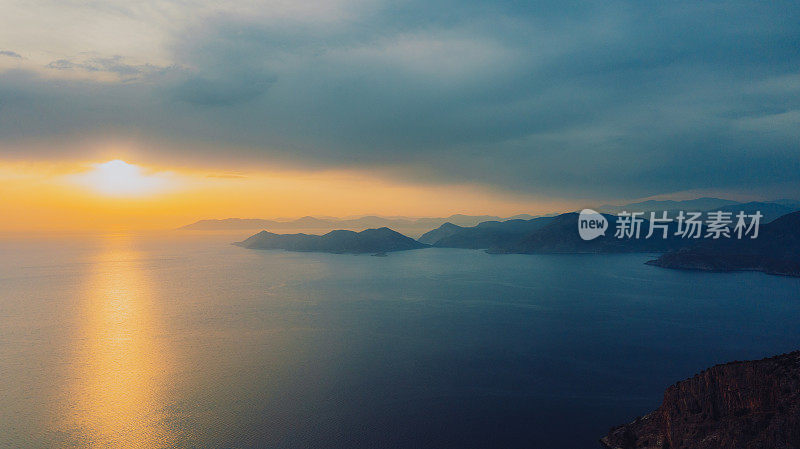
182	340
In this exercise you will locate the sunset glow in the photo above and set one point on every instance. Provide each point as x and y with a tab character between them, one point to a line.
119	178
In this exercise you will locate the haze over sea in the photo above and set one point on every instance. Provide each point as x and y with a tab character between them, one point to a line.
185	341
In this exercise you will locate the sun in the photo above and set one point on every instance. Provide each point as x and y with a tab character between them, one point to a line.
119	178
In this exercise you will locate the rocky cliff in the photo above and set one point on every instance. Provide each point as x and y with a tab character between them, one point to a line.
738	405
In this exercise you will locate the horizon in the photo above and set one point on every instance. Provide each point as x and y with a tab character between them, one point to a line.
90	194
117	195
336	219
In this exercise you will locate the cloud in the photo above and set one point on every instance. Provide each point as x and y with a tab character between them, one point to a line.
219	91
113	65
227	175
620	99
10	54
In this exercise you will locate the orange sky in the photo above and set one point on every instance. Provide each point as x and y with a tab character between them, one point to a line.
96	195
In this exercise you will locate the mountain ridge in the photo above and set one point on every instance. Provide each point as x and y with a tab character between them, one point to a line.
307	222
484	235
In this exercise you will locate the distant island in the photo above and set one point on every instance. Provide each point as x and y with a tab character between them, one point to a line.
770	210
752	404
365	222
377	241
696	204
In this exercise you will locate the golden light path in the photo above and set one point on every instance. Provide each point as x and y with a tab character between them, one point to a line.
115	397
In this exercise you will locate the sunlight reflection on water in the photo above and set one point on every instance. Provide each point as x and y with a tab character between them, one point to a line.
114	397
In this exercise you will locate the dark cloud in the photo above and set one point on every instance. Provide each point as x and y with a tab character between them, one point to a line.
62	64
617	99
10	54
220	91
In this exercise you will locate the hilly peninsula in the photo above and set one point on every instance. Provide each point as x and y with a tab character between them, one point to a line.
484	235
560	235
776	251
381	240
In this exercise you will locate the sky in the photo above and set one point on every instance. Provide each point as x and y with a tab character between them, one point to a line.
286	108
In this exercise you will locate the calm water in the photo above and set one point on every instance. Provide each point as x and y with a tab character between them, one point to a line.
187	341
